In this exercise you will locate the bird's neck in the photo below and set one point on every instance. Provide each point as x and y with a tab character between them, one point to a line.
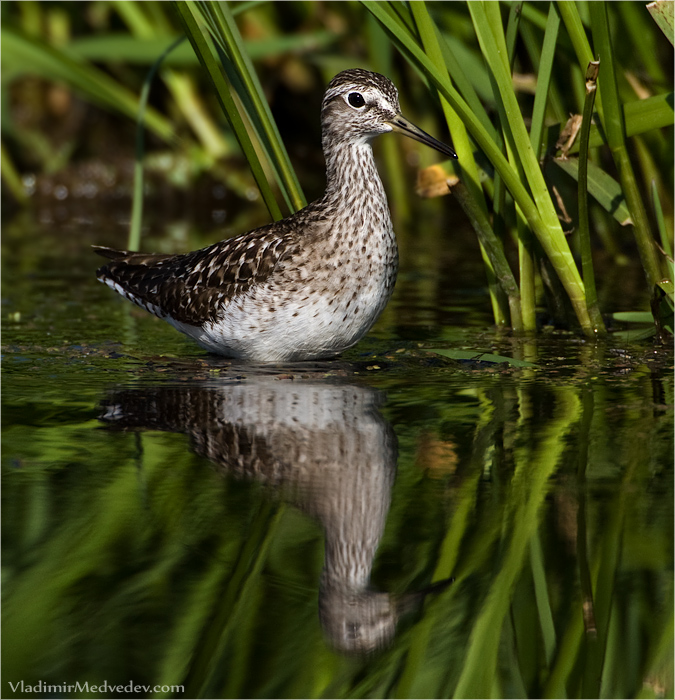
353	184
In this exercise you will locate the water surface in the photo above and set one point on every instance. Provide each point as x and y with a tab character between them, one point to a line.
391	524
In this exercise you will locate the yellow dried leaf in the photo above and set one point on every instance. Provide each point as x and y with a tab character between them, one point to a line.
434	182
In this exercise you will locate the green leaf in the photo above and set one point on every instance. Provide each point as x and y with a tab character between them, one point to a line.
490	33
142	51
546	63
633	336
22	54
640	117
616	135
215	36
603	187
547	231
662	12
199	37
633	316
668	287
665	235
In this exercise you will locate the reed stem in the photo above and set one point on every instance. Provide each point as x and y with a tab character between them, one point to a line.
582	188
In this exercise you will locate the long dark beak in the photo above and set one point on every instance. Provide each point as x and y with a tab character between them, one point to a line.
403	126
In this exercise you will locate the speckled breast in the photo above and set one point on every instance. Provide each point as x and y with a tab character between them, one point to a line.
311	308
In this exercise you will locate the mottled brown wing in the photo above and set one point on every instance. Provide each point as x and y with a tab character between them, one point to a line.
191	287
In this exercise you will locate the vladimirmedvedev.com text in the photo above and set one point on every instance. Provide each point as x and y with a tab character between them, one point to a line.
86	687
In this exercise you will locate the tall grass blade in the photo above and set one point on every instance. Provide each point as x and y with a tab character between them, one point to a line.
23	54
569	12
546	62
467	165
526	267
601	186
525	247
611	115
616	136
236	50
549	233
664	234
512	26
489	30
11	176
134	241
663	12
189	14
583	228
493	249
499	206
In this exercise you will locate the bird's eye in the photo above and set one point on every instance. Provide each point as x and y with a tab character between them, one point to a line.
355	99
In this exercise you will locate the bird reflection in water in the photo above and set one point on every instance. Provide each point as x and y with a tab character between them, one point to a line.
326	447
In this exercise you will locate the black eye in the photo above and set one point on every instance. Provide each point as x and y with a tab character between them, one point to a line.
355	99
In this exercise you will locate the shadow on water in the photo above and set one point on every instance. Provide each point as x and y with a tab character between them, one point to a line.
171	519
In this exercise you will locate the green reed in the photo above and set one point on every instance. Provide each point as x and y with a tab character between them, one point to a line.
514	176
517	161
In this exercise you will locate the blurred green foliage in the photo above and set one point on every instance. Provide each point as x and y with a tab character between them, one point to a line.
506	75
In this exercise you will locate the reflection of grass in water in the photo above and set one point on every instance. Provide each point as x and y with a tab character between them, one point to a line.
127	557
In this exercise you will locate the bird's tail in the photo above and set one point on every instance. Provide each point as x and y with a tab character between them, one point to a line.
110	253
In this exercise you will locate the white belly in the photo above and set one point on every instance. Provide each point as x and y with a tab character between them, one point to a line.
329	312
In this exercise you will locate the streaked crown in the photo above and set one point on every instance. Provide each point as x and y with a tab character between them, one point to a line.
359	102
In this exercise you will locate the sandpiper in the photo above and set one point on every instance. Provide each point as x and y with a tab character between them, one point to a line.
306	287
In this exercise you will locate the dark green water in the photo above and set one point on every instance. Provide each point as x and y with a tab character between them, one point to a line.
170	519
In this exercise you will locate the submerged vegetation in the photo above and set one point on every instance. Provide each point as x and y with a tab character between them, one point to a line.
558	166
